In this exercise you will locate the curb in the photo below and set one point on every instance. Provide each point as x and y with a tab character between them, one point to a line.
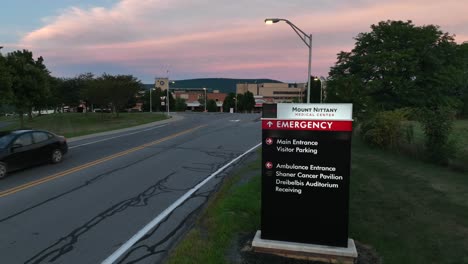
173	118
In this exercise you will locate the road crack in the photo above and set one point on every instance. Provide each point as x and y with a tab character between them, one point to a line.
66	244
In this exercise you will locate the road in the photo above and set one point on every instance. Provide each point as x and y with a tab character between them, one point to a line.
108	188
4	123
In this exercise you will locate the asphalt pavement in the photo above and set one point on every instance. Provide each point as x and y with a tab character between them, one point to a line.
4	123
96	204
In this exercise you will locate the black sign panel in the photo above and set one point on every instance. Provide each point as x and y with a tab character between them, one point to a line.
269	111
305	181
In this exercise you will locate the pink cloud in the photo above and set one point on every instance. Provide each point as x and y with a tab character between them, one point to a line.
211	37
461	38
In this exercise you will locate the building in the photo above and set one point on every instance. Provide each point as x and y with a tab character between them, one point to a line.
193	96
273	92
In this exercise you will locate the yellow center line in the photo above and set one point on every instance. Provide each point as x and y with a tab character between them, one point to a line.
91	164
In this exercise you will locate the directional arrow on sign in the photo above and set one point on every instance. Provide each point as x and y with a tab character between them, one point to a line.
269	123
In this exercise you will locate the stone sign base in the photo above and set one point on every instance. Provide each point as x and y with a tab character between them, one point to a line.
322	253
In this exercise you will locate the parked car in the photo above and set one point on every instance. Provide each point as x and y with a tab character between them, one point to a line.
24	148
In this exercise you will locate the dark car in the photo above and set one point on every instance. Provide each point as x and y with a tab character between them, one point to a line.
24	148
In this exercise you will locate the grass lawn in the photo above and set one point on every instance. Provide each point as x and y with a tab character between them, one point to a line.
408	211
458	137
78	124
234	209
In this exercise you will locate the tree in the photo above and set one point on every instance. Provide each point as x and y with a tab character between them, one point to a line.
71	91
5	82
171	101
463	89
180	105
121	89
247	101
156	95
29	81
77	91
240	103
398	65
96	93
229	102
211	106
163	97
53	100
132	101
114	91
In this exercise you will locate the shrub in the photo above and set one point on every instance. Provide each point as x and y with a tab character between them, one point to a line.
386	129
211	106
437	124
180	105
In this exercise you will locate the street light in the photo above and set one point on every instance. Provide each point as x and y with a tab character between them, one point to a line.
322	82
321	79
205	97
168	100
306	38
168	86
151	100
235	106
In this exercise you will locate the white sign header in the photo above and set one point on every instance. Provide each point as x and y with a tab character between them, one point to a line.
315	111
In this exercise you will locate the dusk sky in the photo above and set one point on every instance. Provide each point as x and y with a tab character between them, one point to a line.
205	38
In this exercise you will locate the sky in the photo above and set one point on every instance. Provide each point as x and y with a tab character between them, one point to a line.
184	39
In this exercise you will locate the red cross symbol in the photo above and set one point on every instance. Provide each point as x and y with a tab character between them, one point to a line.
269	141
268	165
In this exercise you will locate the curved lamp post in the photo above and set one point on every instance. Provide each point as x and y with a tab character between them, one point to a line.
306	38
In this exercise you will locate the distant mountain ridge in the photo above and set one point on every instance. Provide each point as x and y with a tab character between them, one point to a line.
224	85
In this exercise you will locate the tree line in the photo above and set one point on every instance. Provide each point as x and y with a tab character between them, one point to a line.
240	103
26	86
401	71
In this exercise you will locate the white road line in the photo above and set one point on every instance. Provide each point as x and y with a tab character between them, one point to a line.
89	143
119	252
